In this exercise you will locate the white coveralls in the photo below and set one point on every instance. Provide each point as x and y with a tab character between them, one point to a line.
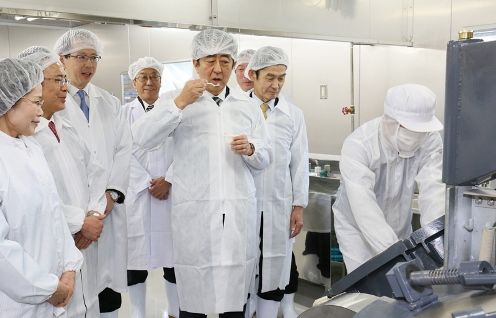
281	186
373	206
36	246
148	219
214	206
107	134
79	182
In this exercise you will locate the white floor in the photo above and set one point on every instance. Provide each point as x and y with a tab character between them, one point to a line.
156	302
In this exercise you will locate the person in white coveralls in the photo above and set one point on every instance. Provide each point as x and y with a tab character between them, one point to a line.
97	115
77	175
148	200
38	258
381	162
282	188
219	138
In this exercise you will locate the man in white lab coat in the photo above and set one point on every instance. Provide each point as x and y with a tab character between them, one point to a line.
380	164
97	115
77	176
219	137
148	204
37	253
244	83
282	188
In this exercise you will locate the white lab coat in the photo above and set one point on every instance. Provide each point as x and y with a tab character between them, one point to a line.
79	184
373	206
107	135
35	244
214	206
281	186
148	218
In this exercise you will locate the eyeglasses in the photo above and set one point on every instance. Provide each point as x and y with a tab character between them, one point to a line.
85	58
145	78
62	81
38	102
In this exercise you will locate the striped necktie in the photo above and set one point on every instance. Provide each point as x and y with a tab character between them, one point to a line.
51	125
84	107
264	107
149	107
217	100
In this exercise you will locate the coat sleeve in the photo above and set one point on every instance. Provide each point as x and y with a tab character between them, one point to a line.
73	259
23	279
139	178
298	164
152	129
432	190
74	217
359	183
262	156
119	178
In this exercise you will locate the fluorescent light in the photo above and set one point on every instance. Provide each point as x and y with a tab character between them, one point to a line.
31	19
19	17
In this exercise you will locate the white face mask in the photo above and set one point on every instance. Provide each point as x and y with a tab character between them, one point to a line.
408	141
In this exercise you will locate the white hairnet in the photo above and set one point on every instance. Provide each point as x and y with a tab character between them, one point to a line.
213	41
17	78
413	106
75	40
244	57
268	56
142	63
39	55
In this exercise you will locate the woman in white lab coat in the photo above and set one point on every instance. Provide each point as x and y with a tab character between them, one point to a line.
77	176
38	258
380	163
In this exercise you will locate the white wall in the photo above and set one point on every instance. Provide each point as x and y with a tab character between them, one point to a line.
351	19
379	67
437	22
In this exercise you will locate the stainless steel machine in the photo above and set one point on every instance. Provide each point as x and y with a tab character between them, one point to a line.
445	269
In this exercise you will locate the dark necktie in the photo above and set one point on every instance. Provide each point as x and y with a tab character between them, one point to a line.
84	107
149	107
51	125
217	100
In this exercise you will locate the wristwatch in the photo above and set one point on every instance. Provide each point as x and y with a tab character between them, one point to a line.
252	147
95	213
113	195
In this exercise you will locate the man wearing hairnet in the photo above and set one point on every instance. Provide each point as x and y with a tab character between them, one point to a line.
380	164
282	188
77	175
244	83
148	204
38	256
97	115
219	138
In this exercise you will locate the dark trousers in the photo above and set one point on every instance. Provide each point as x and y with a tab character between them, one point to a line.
232	314
277	294
109	300
320	245
139	276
